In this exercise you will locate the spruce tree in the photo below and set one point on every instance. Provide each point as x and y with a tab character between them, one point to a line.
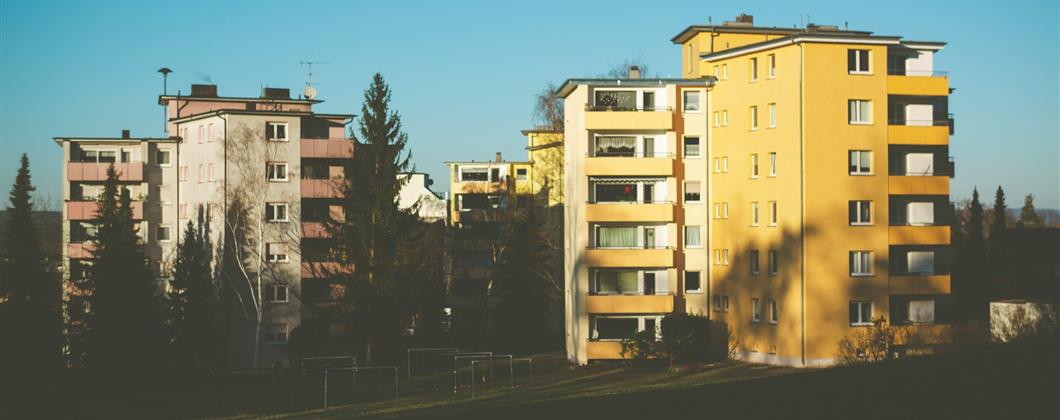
998	231
1028	215
970	280
125	328
192	299
369	236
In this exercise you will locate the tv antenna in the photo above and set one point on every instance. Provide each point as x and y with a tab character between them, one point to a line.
310	92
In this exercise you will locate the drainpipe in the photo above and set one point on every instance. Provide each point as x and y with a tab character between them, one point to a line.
802	204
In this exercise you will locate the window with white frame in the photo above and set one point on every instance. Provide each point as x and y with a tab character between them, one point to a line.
276	334
754	213
773	164
861	263
754	165
754	117
725	164
209	172
919	164
691	147
921	262
202	134
920	214
691	100
860	162
276	131
474	174
725	72
693	237
725	210
276	293
717	165
202	173
717	210
754	261
717	256
162	157
772	115
276	252
772	66
717	74
725	256
724	118
754	68
692	192
717	119
276	212
164	233
860	111
520	174
693	282
276	171
860	313
756	310
209	133
860	212
858	61
773	264
774	313
772	213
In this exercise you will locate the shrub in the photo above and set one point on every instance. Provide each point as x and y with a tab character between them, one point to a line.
868	345
684	338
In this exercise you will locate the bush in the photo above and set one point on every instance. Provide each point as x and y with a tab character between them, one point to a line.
868	345
685	338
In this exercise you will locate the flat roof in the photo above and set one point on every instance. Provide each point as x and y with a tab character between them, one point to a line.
217	112
692	30
61	139
162	98
794	39
487	162
568	86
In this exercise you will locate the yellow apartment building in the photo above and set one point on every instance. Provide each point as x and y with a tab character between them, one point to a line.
825	176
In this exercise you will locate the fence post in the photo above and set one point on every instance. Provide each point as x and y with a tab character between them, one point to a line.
325	388
473	379
395	383
511	372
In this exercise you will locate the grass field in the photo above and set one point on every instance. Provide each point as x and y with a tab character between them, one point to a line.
1012	381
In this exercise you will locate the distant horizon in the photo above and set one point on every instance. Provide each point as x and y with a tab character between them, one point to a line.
464	75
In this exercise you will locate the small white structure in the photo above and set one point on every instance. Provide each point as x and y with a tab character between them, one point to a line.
1014	319
417	192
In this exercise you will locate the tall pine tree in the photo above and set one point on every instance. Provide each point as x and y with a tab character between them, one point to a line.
970	277
1028	215
998	240
370	234
125	323
192	298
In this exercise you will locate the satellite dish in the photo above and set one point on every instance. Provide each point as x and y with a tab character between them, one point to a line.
309	92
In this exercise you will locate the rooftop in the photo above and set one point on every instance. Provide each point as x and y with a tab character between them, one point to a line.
568	85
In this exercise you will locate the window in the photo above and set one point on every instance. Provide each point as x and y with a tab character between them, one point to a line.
773	164
754	213
919	164
717	256
164	232
858	62
921	262
691	147
276	171
772	115
724	118
754	117
754	69
520	174
860	111
725	164
616	237
692	282
725	72
276	252
692	192
860	263
609	282
756	311
717	302
182	211
725	303
772	213
182	173
774	314
920	214
860	313
754	165
860	212
276	131
162	157
647	100
276	293
754	261
691	101
209	172
209	133
772	66
717	165
693	237
717	210
607	328
716	72
860	162
276	334
772	262
717	119
202	173
624	146
202	134
725	257
922	311
474	174
276	212
725	210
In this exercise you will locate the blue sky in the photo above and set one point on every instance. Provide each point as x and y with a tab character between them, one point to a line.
464	73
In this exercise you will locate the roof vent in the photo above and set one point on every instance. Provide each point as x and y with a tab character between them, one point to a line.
276	93
125	134
499	158
743	19
204	91
634	72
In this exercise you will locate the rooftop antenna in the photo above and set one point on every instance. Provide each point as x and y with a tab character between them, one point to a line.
165	91
310	92
710	20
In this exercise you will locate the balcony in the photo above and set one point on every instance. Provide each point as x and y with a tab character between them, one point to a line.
321	188
655	165
610	118
629	212
919	235
925	83
480	215
919	185
86	210
327	148
602	350
323	269
315	230
934	284
610	257
480	187
934	133
629	304
92	171
79	249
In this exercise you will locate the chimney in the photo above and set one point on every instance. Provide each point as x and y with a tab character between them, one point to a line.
499	159
634	72
204	91
125	134
746	18
276	93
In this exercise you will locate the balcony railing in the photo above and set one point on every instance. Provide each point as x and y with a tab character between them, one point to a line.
630	202
916	122
589	107
919	73
619	248
629	154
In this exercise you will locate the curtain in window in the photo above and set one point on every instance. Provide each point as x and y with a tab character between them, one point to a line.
616	146
692	236
921	213
622	282
922	311
616	99
616	237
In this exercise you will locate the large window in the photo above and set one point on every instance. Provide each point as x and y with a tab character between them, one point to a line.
858	62
860	313
920	214
860	111
919	164
625	146
615	328
616	193
276	212
691	147
921	262
860	212
922	311
474	174
616	99
691	100
616	282
693	237
861	263
275	131
860	162
693	282
274	171
616	237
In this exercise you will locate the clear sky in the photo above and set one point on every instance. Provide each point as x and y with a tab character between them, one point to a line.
464	73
